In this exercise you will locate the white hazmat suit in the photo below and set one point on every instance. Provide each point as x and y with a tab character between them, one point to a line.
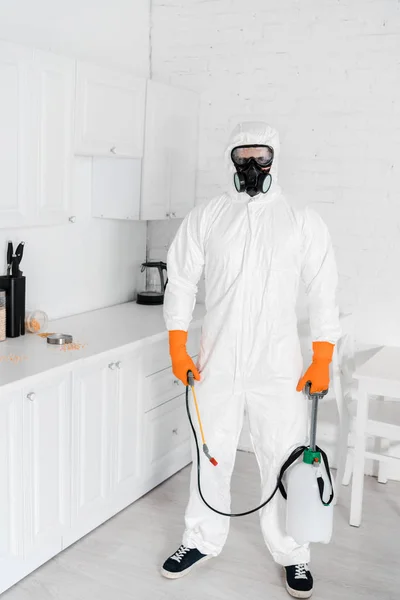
254	252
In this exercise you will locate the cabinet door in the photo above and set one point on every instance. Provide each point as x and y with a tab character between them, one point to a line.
166	441
116	188
46	418
16	140
127	429
110	110
11	489
53	85
93	397
170	153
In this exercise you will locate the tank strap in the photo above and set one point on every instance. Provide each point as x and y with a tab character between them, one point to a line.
292	458
320	482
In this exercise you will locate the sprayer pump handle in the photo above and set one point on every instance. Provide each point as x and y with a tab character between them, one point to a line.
317	395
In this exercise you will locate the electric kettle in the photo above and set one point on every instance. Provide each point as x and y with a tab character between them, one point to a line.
155	283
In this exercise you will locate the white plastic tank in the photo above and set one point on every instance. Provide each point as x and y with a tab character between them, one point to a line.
307	518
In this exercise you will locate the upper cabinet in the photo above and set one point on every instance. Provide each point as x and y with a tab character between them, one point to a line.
53	87
16	139
110	108
36	127
170	152
52	107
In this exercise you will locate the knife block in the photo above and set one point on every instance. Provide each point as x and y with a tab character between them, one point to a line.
15	304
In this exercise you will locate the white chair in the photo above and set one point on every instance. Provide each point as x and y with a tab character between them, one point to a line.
379	376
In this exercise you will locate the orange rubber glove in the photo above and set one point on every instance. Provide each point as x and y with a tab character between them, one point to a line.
181	361
318	372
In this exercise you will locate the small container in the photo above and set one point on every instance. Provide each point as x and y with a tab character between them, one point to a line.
59	339
2	315
36	321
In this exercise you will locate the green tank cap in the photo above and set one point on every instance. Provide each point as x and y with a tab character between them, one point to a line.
310	457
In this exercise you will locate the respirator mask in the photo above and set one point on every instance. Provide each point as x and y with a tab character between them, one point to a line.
253	164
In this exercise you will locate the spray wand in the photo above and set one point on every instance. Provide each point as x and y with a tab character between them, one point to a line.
206	451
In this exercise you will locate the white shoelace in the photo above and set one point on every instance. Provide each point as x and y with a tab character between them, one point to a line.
300	572
180	553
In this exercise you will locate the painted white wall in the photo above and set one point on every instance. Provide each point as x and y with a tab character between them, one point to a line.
93	263
114	33
327	79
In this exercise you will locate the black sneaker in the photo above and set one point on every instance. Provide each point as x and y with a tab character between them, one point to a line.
182	562
299	581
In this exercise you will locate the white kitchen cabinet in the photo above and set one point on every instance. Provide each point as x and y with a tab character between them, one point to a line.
105	440
170	152
16	149
53	86
116	188
84	436
110	108
36	127
46	440
166	441
127	429
93	395
11	489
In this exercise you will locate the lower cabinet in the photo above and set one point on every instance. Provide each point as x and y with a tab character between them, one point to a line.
79	446
11	490
93	394
105	440
46	465
166	441
35	475
128	428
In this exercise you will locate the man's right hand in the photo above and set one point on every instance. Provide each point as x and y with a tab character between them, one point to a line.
181	361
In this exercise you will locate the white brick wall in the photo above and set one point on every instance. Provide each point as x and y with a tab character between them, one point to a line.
327	75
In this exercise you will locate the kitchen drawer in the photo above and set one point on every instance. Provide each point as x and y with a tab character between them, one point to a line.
156	356
167	436
160	388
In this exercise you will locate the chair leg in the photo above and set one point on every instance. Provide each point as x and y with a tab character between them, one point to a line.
348	472
383	449
357	489
382	468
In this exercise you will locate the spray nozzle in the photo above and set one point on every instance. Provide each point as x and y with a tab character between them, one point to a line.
210	458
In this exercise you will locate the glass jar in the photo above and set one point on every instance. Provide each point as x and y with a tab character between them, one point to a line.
36	321
2	315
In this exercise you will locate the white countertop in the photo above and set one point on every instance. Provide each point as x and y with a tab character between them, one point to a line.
98	331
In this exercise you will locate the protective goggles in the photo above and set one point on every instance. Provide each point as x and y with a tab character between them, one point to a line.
262	155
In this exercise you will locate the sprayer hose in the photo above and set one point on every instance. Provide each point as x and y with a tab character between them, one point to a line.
220	512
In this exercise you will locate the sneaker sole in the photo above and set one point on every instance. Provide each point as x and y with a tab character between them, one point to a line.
297	593
171	575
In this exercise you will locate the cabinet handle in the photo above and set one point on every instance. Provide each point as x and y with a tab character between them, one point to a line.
175	431
111	366
173	215
113	150
31	396
168	215
72	219
118	364
176	381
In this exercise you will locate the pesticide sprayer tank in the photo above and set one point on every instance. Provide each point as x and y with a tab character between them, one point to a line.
307	519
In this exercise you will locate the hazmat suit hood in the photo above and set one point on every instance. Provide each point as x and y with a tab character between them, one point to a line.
253	132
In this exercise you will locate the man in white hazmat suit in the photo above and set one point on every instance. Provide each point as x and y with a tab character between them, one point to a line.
255	249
